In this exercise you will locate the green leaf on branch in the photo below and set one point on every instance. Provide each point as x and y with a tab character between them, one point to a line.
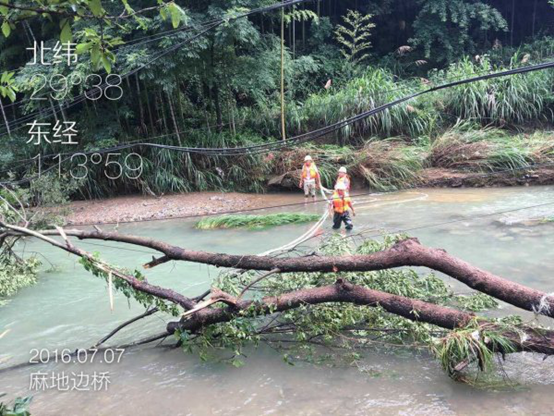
66	34
128	8
106	63
96	8
81	48
7	87
11	94
6	28
175	15
163	13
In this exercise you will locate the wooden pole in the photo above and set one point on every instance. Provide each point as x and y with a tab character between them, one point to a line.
283	124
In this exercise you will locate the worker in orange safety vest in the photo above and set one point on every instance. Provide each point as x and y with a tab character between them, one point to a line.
341	206
310	179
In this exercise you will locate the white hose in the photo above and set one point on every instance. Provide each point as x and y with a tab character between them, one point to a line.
311	232
308	234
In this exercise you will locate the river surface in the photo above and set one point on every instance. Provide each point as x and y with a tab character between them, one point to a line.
69	308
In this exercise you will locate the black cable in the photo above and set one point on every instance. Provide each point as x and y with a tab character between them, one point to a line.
378	93
341	124
403	230
309	136
30	117
23	162
173	48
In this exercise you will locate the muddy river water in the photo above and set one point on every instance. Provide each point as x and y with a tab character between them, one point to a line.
69	308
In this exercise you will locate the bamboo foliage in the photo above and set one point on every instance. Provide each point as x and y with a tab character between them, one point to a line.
354	35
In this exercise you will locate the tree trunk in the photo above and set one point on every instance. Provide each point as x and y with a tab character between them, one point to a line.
172	112
344	292
512	23
232	126
149	108
534	18
283	124
62	112
6	122
293	23
141	110
180	101
161	106
405	253
217	105
54	112
303	30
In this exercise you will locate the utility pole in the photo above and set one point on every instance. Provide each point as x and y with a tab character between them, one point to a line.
283	126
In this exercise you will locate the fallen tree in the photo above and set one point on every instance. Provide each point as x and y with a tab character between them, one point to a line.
407	252
335	294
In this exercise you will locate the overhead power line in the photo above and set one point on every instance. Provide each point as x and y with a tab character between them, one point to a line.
216	23
305	137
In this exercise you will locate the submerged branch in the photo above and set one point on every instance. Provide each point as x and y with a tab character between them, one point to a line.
148	312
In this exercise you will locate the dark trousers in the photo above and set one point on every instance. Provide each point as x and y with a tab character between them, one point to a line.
339	218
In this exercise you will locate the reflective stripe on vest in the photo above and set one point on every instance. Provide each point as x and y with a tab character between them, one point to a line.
311	171
344	180
340	205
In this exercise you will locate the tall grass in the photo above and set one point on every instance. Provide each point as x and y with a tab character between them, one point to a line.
389	164
380	164
507	101
511	100
254	221
375	87
473	343
167	171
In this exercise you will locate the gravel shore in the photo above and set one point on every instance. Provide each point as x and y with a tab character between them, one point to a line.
140	208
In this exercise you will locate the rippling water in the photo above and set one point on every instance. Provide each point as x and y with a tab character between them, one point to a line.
70	309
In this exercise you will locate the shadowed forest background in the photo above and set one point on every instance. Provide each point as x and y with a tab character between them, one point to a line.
340	58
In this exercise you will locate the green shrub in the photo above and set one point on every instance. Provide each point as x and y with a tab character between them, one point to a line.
15	274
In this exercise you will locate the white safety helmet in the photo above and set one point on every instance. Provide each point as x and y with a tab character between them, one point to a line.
340	187
342	170
307	158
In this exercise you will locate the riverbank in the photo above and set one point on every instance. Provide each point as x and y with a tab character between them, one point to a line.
448	178
146	208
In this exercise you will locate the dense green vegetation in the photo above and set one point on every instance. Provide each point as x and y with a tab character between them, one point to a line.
394	163
18	271
223	88
16	274
254	221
